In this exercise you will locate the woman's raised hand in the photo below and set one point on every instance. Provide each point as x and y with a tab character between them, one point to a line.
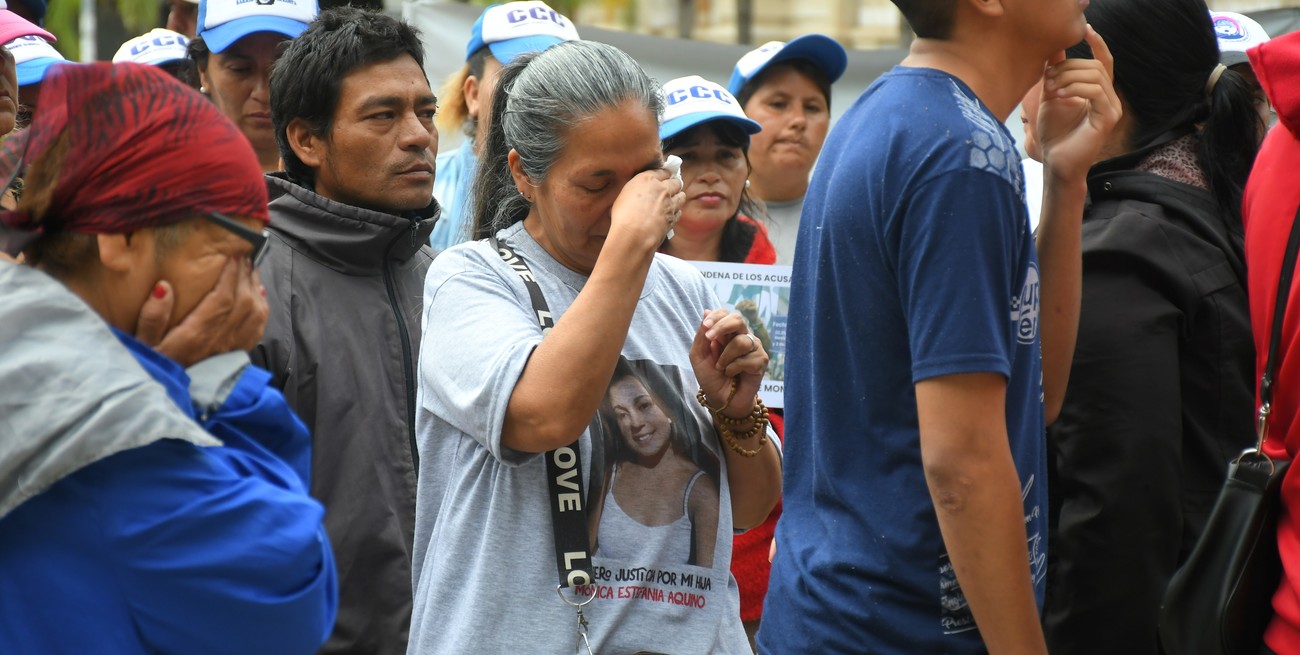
648	207
230	317
723	351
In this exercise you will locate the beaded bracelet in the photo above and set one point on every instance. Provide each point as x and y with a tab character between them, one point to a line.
759	416
735	446
699	395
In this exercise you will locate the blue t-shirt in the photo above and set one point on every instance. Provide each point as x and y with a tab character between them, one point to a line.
914	261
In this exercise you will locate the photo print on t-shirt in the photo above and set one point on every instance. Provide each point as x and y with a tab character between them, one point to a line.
654	492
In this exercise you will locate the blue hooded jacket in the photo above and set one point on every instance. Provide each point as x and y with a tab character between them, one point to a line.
142	536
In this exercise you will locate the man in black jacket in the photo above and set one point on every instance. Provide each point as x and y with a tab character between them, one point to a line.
353	116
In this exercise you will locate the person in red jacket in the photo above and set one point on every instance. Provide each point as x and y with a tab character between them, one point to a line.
1268	209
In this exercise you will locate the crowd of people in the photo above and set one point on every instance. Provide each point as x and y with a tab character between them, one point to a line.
283	379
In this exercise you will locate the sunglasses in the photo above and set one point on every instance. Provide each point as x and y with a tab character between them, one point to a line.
260	241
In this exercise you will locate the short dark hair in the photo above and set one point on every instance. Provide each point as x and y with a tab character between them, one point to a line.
307	78
930	19
802	66
1165	52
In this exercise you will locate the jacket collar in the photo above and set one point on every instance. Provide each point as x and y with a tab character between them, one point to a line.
1193	208
162	369
345	238
64	410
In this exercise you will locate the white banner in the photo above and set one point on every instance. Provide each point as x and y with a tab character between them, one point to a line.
762	295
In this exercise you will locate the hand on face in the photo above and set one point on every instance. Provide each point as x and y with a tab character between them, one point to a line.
1079	109
649	205
723	351
230	317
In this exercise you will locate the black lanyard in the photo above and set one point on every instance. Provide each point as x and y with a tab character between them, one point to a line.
563	465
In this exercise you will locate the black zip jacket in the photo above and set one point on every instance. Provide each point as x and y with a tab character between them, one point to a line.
346	290
1160	398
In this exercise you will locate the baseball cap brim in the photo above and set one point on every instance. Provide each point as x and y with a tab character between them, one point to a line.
507	51
13	26
824	52
31	72
680	124
223	36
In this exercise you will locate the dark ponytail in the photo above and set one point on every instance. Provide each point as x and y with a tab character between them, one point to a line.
1230	139
494	193
1165	53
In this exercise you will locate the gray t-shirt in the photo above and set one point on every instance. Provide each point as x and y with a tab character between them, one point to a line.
484	561
783	226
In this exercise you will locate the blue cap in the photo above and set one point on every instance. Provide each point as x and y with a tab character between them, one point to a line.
33	57
223	22
824	52
518	28
690	101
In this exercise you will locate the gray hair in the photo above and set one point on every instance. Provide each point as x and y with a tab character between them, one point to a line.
539	98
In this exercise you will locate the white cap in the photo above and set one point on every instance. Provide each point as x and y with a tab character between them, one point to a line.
1237	33
689	101
223	22
516	28
155	48
824	52
33	56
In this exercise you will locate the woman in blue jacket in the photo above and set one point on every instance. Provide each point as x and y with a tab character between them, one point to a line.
152	499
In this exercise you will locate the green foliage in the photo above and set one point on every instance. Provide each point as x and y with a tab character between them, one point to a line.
63	21
139	16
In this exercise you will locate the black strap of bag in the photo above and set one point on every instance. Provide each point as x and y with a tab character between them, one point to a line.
568	499
1275	334
1219	601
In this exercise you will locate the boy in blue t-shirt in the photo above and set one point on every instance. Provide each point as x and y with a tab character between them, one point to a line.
917	393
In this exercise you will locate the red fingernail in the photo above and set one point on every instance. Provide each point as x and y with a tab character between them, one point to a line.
159	291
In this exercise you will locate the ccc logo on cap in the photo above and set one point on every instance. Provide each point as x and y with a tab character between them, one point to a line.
700	93
160	42
536	13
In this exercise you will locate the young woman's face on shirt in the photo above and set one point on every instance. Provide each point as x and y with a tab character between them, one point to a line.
572	206
644	426
714	174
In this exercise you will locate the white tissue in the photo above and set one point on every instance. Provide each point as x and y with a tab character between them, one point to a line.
673	164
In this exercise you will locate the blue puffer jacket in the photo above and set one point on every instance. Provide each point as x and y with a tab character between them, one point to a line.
127	535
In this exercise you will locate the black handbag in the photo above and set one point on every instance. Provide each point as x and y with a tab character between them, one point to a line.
1220	600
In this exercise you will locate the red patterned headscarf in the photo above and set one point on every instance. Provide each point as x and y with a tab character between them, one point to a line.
143	150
